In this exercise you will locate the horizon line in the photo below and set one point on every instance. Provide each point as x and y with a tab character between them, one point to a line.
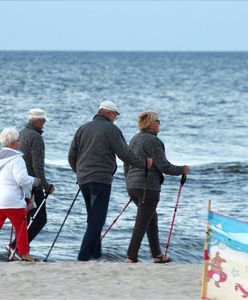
71	50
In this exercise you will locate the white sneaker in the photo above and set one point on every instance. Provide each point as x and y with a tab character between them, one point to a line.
12	253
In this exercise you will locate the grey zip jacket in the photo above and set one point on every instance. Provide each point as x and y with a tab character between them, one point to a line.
32	145
147	144
93	151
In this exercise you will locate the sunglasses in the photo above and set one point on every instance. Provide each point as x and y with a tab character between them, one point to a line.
157	121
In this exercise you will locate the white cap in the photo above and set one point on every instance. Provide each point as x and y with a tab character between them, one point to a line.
109	105
36	113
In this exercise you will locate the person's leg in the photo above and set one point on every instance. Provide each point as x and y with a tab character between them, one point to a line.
152	229
40	220
18	218
3	217
146	208
85	251
99	214
96	197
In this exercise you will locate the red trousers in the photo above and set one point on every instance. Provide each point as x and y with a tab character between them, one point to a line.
18	217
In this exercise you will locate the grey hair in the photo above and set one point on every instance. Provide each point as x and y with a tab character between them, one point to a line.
8	136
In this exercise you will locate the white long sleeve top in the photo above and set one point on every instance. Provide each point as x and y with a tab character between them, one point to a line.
14	179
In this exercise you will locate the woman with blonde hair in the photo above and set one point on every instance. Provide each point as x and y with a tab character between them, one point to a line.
14	182
144	189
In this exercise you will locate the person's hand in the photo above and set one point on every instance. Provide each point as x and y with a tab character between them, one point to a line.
37	182
149	163
185	170
51	189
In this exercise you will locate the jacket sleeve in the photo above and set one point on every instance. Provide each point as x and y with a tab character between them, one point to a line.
122	150
21	175
126	169
38	161
157	151
73	152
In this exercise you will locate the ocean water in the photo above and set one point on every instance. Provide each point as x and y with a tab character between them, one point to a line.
202	100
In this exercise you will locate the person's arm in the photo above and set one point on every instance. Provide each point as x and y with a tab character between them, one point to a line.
157	151
122	150
126	169
73	152
21	176
38	162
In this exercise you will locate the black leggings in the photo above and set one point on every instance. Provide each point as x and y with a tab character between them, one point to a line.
40	220
146	222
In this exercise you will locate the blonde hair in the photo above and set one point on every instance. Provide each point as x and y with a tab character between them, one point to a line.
8	136
146	118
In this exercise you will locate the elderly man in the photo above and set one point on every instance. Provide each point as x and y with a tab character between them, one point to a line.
32	145
92	156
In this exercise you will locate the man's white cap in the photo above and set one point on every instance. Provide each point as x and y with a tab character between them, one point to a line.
109	105
36	113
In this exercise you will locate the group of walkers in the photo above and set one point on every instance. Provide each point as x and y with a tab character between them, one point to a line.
92	156
18	176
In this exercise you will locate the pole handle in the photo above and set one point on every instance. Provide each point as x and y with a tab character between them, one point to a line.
183	179
48	192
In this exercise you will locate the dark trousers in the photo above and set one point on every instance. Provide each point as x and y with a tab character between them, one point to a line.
146	222
40	220
96	197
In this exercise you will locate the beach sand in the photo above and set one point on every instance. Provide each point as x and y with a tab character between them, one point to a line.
99	280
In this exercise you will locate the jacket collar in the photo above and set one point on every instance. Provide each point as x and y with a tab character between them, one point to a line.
148	131
8	154
97	116
31	126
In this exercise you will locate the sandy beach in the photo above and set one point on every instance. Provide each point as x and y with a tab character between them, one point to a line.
100	280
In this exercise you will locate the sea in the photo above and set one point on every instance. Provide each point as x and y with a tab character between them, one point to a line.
202	102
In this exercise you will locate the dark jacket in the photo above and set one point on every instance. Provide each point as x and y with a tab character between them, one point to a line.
93	149
32	145
146	143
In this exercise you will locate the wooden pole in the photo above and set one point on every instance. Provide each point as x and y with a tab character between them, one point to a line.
205	262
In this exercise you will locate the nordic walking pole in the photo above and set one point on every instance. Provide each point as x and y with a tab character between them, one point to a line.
39	208
130	200
10	241
183	179
62	225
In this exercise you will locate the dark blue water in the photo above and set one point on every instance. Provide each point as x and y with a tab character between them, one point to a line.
202	99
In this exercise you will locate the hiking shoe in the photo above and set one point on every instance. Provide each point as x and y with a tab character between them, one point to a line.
130	260
160	259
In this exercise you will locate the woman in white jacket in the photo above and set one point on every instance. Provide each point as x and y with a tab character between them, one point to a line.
14	183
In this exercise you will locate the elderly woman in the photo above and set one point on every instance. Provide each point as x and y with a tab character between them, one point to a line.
14	182
144	189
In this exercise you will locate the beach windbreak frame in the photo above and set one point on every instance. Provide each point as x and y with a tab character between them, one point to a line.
225	271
